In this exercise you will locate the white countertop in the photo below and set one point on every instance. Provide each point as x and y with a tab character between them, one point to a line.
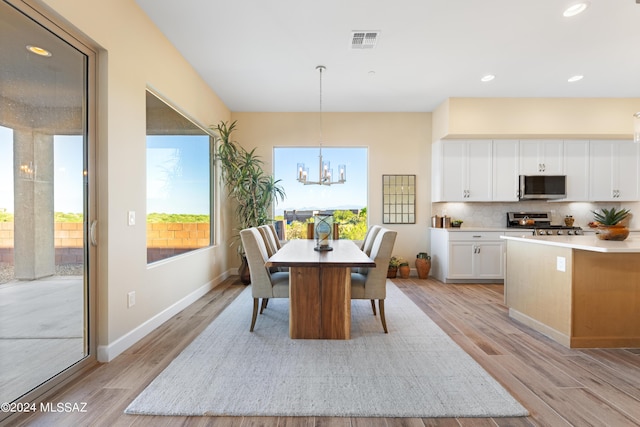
585	243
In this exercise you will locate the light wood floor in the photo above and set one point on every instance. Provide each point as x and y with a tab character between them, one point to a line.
557	385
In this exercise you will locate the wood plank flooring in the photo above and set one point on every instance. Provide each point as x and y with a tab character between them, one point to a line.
559	386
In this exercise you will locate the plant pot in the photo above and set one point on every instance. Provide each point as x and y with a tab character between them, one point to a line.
423	265
612	232
392	272
243	271
404	271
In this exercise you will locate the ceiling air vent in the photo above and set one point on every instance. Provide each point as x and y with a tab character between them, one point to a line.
364	39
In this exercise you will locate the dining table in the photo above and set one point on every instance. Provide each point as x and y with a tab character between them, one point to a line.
320	286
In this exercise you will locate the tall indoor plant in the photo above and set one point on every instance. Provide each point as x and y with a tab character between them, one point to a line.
252	190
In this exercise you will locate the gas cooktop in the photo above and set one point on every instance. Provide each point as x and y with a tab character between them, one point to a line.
541	224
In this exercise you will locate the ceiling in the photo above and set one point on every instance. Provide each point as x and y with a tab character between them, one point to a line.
262	55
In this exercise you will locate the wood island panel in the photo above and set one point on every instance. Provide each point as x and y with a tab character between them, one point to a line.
594	303
606	300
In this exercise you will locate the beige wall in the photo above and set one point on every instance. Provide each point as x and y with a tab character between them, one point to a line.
398	143
569	118
134	55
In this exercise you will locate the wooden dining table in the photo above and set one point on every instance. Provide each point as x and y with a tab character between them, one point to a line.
320	287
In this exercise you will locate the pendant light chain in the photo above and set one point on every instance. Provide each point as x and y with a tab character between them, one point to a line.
325	172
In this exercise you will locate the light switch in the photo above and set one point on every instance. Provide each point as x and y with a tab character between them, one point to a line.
561	263
132	217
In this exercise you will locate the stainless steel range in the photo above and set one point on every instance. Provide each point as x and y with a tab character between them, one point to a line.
540	224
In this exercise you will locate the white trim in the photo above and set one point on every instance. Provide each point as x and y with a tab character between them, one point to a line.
106	353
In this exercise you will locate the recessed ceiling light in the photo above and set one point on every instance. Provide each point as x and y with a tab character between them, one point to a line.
576	9
487	78
38	50
575	78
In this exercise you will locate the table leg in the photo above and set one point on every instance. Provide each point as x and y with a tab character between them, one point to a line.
320	303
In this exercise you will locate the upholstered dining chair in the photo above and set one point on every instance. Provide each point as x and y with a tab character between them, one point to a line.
264	284
371	284
269	240
369	238
272	228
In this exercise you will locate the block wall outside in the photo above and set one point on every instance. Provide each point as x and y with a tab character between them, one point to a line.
69	240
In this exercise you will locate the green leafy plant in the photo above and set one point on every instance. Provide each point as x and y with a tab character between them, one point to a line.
610	216
247	184
394	262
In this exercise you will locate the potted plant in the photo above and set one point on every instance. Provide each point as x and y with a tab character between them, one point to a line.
423	265
608	224
394	263
403	268
252	190
456	223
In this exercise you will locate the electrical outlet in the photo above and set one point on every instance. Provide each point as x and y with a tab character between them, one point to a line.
561	263
131	299
131	217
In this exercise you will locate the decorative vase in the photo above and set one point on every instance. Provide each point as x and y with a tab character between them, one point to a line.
568	221
392	272
404	271
423	265
243	271
612	232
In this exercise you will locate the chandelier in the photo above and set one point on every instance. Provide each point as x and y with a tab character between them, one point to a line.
325	173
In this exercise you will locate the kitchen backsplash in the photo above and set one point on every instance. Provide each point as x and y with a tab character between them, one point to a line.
491	215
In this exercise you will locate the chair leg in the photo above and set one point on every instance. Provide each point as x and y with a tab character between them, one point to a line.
255	314
265	301
373	306
382	318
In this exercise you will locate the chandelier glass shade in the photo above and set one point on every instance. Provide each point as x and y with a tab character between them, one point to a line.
325	171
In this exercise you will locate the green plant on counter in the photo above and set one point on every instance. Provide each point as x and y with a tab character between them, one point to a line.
610	216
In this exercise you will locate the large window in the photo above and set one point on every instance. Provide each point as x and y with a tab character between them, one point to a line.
347	201
178	182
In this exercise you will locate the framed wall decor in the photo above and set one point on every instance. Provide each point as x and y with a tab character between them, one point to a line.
398	199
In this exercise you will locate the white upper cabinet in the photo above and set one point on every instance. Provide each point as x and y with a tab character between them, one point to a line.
613	171
541	157
505	170
464	171
576	168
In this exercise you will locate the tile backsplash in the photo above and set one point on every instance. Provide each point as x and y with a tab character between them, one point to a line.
494	214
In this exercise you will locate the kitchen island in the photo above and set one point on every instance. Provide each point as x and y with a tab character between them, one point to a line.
578	290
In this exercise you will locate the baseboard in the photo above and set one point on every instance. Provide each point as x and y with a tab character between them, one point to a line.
107	353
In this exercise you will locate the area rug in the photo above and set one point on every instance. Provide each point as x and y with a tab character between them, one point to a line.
415	370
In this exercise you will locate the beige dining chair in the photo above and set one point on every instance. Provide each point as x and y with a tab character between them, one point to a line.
269	240
276	239
371	283
367	244
264	284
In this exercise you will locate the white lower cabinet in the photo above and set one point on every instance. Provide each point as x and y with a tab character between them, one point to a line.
467	256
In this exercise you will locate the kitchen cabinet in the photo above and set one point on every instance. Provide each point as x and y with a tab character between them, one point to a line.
463	171
467	256
541	157
505	170
613	171
576	168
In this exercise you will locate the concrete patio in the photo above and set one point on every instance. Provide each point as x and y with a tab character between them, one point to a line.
42	324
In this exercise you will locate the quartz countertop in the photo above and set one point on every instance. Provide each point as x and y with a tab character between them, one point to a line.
584	243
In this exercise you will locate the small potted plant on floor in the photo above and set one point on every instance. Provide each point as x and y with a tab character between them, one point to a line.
404	269
608	224
394	263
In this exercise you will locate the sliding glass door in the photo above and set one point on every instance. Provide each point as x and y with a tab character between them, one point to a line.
44	206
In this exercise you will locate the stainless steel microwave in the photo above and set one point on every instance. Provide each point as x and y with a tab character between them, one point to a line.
543	187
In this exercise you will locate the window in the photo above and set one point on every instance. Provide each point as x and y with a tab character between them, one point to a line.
179	199
302	201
